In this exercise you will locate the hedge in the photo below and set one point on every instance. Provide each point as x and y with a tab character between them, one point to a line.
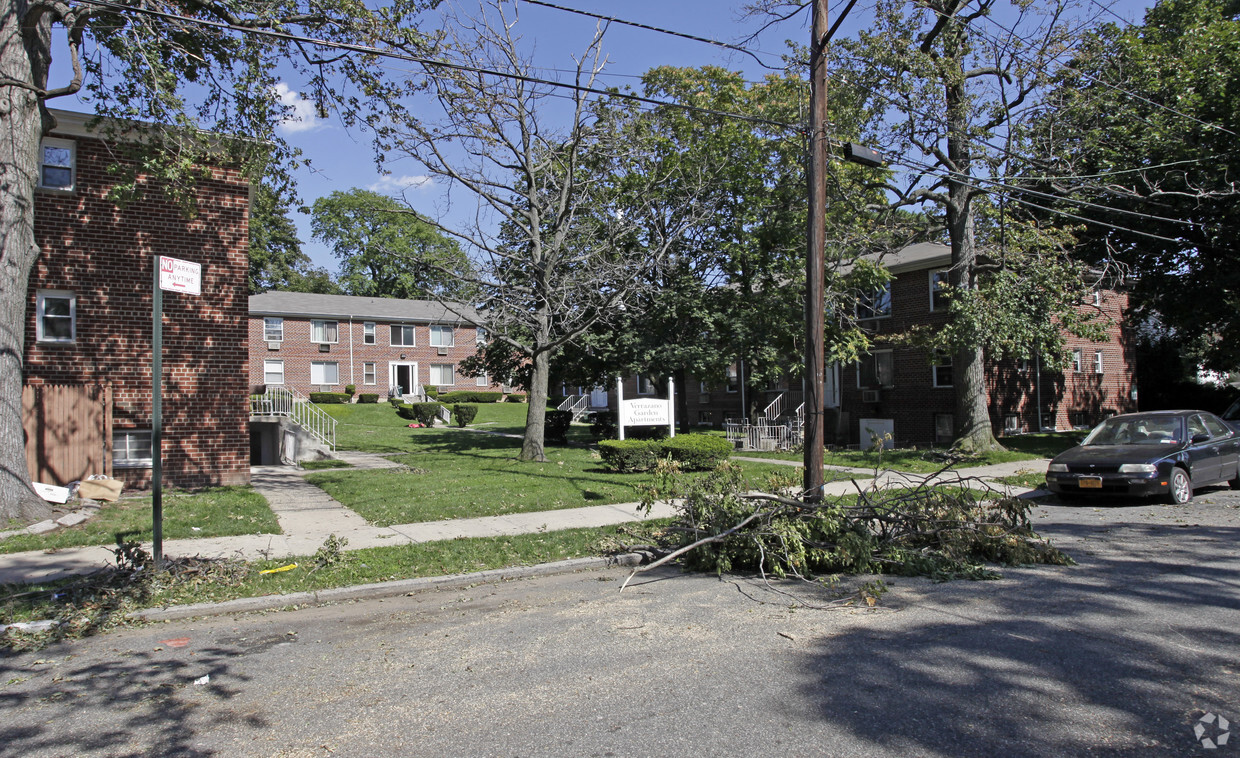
368	397
515	397
424	413
555	426
329	398
467	396
694	452
629	456
464	414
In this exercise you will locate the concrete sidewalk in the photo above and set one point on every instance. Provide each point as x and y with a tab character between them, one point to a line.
308	515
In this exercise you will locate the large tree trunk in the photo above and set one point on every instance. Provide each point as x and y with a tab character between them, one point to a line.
972	418
21	129
536	416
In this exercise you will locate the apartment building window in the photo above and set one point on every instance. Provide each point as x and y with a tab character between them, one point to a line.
273	372
55	316
1011	423
705	418
942	370
1078	359
875	370
323	331
57	164
368	373
325	373
1097	361
480	336
442	336
131	448
732	379
441	375
938	290
944	427
876	304
403	335
645	385
273	329
482	381
368	332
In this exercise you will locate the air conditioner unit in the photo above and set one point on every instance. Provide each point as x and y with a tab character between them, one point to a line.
271	345
443	351
325	347
869	396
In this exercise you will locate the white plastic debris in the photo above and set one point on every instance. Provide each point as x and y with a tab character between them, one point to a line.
204	679
51	493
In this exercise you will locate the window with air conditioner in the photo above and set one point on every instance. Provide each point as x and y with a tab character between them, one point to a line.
273	329
442	336
324	373
876	370
441	375
323	332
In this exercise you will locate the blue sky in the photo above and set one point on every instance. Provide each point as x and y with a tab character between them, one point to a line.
342	159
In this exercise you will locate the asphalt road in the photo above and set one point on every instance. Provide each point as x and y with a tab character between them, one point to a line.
1121	654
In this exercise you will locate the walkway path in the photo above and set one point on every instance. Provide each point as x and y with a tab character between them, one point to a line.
308	515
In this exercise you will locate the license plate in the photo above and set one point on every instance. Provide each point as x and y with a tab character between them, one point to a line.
1090	482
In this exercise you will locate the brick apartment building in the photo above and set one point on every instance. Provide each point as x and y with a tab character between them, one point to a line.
89	326
322	343
901	391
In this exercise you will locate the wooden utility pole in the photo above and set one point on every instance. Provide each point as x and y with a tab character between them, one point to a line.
814	259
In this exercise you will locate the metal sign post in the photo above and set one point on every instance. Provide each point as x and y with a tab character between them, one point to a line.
175	276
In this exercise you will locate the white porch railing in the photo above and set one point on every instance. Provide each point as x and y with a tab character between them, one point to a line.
578	405
288	402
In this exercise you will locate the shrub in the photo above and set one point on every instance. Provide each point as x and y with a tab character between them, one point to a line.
516	397
628	456
368	397
431	391
395	401
350	389
329	398
555	427
603	427
404	410
696	452
466	396
426	413
463	415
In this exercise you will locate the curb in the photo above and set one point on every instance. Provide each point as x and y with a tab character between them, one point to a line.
380	589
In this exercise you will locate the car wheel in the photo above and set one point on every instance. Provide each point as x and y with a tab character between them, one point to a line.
1181	489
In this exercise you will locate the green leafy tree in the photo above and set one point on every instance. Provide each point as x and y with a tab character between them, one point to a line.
165	75
1142	126
276	259
387	250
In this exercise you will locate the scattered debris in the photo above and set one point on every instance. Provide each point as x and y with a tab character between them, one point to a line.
51	493
175	642
204	679
289	567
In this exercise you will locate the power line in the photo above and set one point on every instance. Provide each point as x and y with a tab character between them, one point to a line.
434	63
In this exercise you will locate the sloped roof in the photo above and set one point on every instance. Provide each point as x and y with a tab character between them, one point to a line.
306	304
923	255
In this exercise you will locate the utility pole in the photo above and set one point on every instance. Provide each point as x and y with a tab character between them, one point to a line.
814	259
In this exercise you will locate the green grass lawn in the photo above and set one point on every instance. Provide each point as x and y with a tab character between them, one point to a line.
219	512
454	474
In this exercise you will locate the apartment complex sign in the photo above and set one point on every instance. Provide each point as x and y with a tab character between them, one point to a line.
645	412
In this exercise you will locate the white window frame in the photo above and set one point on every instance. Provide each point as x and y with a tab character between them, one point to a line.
268	372
122	448
941	360
480	335
1078	360
369	372
732	379
437	368
1098	362
368	333
65	144
318	328
873	355
937	278
482	381
273	325
881	294
437	332
413	335
41	299
322	366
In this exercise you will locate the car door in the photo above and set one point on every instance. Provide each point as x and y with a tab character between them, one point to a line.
1229	447
1204	452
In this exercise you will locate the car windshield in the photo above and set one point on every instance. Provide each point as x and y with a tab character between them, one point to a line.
1142	430
1233	411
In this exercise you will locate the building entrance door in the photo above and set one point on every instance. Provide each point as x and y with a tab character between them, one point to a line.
403	377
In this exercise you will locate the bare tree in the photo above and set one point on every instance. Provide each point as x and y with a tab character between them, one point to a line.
552	171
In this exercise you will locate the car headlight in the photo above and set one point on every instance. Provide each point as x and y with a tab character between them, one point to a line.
1057	468
1138	468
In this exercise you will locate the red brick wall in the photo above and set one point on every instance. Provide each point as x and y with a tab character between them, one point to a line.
298	352
106	256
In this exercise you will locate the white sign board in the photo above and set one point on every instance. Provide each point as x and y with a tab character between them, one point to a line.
180	276
645	412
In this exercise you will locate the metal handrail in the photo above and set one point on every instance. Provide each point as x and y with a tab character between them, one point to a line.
288	402
775	409
577	405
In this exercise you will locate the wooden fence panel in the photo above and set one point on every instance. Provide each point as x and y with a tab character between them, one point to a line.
68	431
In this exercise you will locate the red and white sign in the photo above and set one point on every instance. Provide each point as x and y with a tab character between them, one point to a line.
176	275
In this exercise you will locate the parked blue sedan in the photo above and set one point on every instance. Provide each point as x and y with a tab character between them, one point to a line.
1164	453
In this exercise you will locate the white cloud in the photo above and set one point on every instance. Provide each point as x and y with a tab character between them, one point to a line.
301	112
389	184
